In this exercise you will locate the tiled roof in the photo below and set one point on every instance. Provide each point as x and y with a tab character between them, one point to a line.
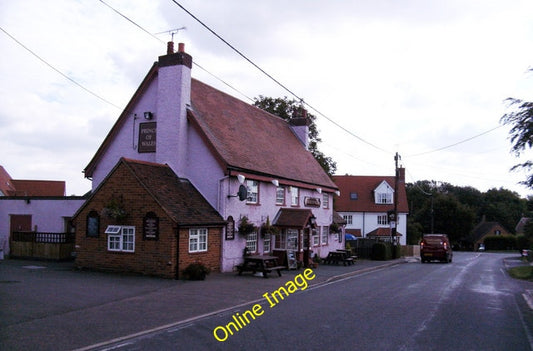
177	196
381	232
5	183
338	219
38	187
292	217
18	187
247	138
363	187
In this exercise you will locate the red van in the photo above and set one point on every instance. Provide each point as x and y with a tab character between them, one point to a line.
435	247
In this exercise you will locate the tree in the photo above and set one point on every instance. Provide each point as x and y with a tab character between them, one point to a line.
285	108
521	133
503	206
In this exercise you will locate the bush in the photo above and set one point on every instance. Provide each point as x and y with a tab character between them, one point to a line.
498	242
523	243
381	251
195	271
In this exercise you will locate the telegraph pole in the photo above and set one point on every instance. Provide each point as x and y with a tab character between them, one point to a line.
395	224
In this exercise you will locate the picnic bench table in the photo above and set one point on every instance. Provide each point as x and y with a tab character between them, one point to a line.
258	263
339	256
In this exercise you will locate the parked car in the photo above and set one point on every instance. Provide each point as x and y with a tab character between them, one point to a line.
481	247
435	247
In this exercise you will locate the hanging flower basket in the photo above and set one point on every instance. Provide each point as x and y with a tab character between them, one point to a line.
267	228
114	209
245	227
334	228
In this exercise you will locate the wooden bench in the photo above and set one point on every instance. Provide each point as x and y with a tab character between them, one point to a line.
339	256
264	264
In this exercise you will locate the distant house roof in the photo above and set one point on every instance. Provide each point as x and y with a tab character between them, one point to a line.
519	229
247	138
176	196
487	228
19	187
381	232
6	187
357	194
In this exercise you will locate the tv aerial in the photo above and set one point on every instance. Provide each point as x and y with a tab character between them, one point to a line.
171	32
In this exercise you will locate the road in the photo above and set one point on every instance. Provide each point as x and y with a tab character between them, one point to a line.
470	304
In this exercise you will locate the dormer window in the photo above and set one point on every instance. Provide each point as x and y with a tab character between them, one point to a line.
383	194
384	198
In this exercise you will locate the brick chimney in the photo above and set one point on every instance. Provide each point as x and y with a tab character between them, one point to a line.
173	96
401	175
299	124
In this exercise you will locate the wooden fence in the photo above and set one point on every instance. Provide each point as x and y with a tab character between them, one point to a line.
40	245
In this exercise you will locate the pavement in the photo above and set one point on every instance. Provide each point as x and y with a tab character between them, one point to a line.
53	306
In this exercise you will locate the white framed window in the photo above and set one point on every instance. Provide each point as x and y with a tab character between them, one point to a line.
280	195
253	191
120	238
383	219
348	219
324	235
251	242
325	200
198	240
384	198
292	239
266	242
295	196
315	237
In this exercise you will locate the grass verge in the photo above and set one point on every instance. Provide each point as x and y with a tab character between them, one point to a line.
522	272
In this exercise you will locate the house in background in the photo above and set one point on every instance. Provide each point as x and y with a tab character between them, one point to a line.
519	229
34	213
485	229
252	167
366	201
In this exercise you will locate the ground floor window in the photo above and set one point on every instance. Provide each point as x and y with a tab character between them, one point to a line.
383	219
120	238
324	236
287	240
197	240
315	237
251	242
266	242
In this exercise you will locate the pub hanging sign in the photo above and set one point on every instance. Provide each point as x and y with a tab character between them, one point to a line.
147	137
230	228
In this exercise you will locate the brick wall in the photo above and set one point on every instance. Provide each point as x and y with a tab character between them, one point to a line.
210	259
151	257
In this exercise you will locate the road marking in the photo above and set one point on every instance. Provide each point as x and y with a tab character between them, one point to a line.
524	325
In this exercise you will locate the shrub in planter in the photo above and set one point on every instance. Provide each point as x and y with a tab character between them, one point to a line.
195	271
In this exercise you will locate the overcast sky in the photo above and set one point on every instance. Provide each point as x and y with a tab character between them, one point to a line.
417	77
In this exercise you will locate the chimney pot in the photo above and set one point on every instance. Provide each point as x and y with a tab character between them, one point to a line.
170	47
181	47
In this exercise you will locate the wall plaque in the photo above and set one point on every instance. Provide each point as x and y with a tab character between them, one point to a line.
147	137
151	227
